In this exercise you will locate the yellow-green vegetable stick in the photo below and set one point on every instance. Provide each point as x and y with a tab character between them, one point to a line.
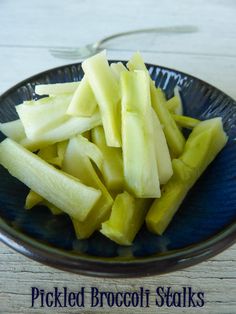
38	118
90	150
112	165
174	137
179	109
185	122
50	155
13	129
106	90
83	102
163	158
56	89
172	104
77	164
68	129
57	187
118	68
127	216
138	141
202	146
32	199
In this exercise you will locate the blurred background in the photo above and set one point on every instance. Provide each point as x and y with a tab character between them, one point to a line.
29	28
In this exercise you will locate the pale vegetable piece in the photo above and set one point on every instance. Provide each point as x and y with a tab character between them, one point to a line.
163	158
71	127
106	90
13	129
112	166
56	89
83	230
136	62
118	68
179	109
38	119
32	199
127	217
172	104
140	168
139	156
202	146
174	136
40	101
60	189
198	153
90	150
83	102
61	149
162	210
77	164
49	154
185	121
158	102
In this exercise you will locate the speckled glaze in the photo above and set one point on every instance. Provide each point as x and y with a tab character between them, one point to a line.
204	225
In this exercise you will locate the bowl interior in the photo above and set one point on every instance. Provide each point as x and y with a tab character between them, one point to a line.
209	207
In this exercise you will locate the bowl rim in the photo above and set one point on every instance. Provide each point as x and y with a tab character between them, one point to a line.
107	267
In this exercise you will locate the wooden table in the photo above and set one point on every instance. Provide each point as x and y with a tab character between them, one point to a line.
28	29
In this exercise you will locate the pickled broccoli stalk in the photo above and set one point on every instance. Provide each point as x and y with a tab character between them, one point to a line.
202	146
138	141
56	88
77	163
127	216
64	131
105	88
34	199
118	68
83	102
50	155
112	166
163	158
13	129
174	137
38	118
185	121
57	187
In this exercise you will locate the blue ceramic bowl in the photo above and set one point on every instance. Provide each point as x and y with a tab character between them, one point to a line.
204	225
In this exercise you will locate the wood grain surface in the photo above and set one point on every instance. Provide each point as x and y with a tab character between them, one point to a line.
29	28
